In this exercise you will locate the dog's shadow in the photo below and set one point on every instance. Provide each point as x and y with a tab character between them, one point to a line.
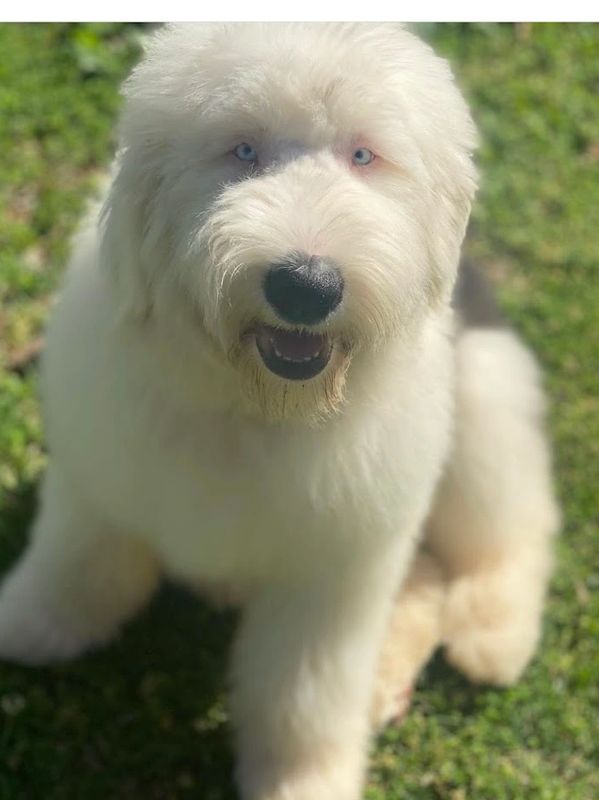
143	718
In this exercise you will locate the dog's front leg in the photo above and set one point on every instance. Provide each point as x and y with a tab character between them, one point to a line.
302	673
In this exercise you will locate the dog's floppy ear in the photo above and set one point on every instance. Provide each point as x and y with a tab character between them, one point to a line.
442	129
122	225
131	246
134	227
453	193
447	139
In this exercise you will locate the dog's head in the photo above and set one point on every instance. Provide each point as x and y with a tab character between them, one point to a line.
301	190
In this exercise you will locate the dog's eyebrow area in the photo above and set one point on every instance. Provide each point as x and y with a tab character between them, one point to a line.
313	111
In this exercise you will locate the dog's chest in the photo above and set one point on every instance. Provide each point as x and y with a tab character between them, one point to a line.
239	504
242	504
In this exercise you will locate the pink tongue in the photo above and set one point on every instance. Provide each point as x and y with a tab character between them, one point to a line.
296	345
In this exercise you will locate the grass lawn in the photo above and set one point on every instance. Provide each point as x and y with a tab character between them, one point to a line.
145	718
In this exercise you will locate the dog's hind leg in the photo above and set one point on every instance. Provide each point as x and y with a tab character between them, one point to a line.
495	514
75	584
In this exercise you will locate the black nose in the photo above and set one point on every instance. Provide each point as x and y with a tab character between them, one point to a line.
304	289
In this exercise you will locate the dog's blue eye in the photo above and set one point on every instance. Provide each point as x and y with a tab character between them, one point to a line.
245	152
362	156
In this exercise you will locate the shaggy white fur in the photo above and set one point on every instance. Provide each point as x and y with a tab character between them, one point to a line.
175	448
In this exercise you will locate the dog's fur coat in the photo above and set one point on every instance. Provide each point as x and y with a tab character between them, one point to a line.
174	450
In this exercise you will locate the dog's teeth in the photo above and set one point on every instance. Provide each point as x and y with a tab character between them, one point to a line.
296	360
291	359
283	357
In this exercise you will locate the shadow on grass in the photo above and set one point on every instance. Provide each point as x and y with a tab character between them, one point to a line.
454	692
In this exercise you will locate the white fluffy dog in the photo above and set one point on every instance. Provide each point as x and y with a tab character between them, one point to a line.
255	383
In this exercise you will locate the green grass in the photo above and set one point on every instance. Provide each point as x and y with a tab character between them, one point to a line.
144	718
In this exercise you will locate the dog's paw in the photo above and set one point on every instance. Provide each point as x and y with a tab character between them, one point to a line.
391	704
491	657
30	635
303	788
336	778
488	634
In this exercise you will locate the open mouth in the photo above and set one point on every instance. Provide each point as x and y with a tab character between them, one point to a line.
294	355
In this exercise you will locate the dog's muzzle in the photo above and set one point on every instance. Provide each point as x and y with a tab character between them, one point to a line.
303	291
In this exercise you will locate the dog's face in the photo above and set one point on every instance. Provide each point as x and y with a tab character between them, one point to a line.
301	189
